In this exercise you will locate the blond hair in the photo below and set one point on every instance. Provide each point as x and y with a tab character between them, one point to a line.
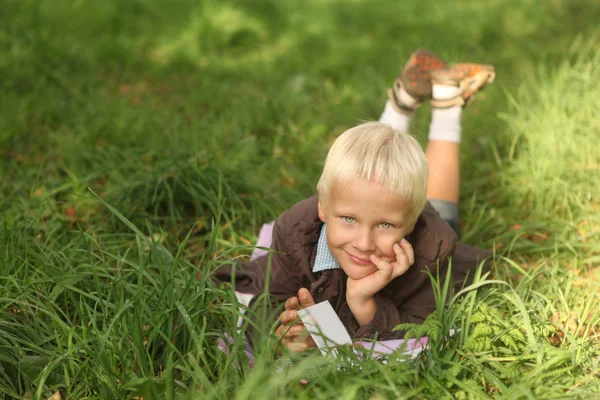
374	151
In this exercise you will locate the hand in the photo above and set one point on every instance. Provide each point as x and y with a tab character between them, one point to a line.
365	288
292	332
360	292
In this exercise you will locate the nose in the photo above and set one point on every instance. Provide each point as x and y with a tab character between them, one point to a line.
363	241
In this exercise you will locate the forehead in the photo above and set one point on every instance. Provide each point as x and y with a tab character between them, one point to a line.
367	199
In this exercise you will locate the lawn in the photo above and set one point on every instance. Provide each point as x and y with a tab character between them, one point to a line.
144	142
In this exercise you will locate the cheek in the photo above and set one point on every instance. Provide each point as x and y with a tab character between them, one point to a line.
386	243
337	235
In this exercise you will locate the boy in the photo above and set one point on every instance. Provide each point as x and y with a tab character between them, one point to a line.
381	218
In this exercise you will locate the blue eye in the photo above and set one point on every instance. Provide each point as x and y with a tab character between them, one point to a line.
385	225
348	220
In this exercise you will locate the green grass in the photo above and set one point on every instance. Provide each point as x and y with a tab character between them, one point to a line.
196	122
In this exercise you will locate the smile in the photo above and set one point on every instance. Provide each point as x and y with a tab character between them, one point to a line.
358	260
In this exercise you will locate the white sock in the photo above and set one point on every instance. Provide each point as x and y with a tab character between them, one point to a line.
395	119
444	92
445	124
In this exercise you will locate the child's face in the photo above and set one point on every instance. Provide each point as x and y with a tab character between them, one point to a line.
363	218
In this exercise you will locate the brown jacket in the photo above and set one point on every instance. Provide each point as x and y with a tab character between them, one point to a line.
408	298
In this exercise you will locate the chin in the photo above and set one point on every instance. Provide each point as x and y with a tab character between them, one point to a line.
358	273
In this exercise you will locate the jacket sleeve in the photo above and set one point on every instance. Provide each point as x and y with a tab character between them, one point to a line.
414	309
276	280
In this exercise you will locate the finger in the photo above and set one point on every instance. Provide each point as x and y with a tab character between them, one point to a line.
305	337
401	256
402	262
292	345
408	249
291	332
399	269
292	303
384	267
298	331
306	300
296	347
301	337
281	331
288	316
283	317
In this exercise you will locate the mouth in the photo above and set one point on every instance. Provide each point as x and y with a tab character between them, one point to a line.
359	260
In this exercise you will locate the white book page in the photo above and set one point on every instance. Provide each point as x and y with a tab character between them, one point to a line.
324	325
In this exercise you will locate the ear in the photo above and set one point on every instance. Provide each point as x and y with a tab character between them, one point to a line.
321	212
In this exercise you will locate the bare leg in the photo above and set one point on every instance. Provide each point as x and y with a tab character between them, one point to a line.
444	170
443	157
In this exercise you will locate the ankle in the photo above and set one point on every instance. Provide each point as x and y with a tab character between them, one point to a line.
444	92
397	119
445	124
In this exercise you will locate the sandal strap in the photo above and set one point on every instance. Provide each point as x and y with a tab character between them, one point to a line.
447	103
402	109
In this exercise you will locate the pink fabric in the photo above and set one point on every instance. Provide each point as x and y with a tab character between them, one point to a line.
413	346
265	236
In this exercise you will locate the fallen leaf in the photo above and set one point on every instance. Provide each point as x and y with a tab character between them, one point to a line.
557	338
55	396
126	89
538	237
38	192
